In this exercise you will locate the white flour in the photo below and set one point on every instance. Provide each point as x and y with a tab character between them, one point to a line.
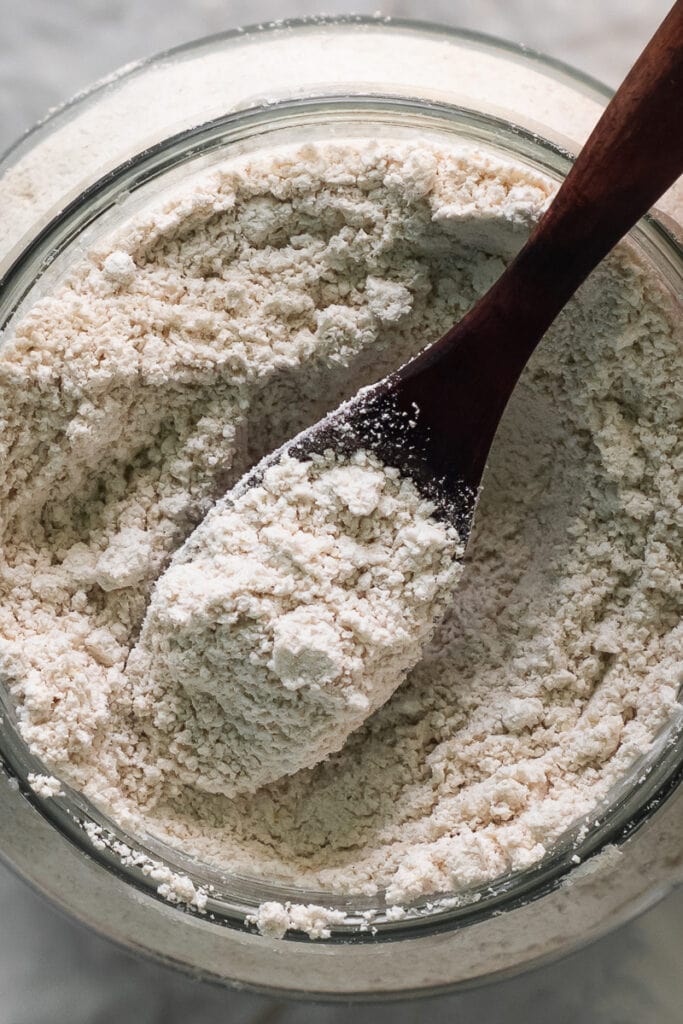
45	786
143	386
295	613
275	919
172	886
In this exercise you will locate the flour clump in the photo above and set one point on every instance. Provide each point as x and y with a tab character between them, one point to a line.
119	268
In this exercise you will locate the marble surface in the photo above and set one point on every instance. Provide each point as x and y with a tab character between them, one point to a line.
52	971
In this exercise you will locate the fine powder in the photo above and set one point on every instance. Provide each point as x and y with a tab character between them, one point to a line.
296	610
212	327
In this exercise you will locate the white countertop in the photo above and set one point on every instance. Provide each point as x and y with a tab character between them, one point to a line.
53	972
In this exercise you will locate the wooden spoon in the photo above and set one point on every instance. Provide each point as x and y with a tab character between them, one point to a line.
435	418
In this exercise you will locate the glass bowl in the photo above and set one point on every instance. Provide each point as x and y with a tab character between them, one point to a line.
241	93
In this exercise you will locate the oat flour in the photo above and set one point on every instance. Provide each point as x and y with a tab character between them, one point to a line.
206	332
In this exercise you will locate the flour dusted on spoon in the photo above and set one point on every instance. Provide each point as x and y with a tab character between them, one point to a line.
295	611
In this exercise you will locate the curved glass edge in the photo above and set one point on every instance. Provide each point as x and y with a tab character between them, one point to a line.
612	822
619	815
553	66
41	250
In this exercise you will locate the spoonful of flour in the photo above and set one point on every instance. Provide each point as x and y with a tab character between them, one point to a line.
297	608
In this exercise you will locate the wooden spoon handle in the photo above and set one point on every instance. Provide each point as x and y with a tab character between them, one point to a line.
633	155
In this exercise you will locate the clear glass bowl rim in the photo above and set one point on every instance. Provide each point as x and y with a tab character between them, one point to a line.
561	70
